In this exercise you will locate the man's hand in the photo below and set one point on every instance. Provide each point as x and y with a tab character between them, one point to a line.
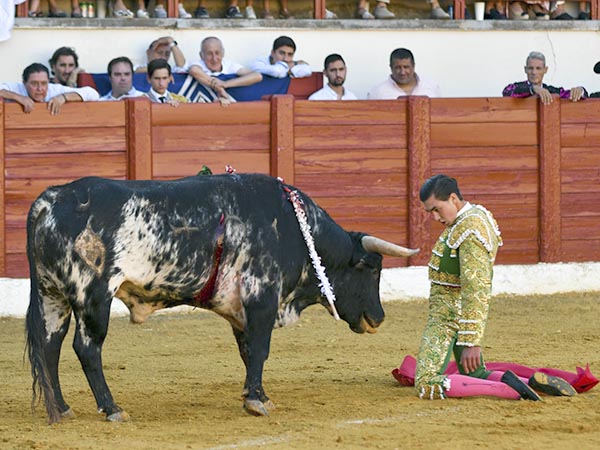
27	103
471	358
56	103
72	81
576	94
543	94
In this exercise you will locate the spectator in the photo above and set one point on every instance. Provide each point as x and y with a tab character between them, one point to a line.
212	64
64	66
36	88
53	9
403	79
120	73
163	48
335	71
495	11
280	63
535	68
159	77
233	11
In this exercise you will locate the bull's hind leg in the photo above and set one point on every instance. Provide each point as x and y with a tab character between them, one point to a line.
92	325
254	343
52	352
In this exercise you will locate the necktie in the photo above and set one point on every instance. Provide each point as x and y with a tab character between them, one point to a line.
162	99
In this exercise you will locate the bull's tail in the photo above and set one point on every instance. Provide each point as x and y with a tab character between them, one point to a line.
35	326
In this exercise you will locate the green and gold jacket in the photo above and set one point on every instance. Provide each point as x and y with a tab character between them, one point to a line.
462	262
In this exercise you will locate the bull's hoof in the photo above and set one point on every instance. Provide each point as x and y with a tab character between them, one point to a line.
119	416
68	414
257	408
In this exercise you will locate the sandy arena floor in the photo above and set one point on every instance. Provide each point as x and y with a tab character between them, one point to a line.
180	378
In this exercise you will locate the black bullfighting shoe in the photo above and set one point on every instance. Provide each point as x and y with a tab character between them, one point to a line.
518	385
550	385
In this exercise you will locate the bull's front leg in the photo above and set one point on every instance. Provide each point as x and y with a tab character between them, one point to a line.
254	344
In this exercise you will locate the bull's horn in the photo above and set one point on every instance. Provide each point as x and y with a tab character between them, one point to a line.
376	245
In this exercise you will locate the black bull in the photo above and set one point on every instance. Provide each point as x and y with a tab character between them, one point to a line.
229	243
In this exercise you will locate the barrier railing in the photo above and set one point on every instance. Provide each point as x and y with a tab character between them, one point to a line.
534	166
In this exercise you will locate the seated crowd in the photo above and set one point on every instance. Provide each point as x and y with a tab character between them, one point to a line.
214	78
497	10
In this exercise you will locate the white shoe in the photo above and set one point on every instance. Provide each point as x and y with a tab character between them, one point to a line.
122	14
381	12
250	14
183	14
439	13
160	12
363	13
142	14
330	14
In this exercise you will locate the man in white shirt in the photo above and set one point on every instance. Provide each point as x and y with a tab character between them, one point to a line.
213	63
280	63
163	48
335	71
120	73
403	80
36	88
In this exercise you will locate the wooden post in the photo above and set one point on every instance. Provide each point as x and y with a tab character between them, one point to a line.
459	10
173	8
139	138
419	169
594	9
319	6
2	193
282	137
549	181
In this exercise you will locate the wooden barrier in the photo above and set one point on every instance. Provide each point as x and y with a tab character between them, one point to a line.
534	166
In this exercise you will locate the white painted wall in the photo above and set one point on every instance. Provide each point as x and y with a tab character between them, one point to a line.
399	284
467	58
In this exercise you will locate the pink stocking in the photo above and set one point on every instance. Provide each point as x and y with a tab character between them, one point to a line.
464	386
497	376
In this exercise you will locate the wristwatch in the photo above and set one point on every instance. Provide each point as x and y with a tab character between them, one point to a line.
173	44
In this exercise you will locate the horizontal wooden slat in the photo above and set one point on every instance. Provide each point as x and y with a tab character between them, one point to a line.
505	205
208	114
580	250
491	182
350	160
217	137
580	135
345	185
72	115
181	164
29	188
580	180
574	228
483	110
328	136
587	111
580	158
483	134
17	266
350	113
487	158
518	252
106	164
68	140
581	204
16	213
16	240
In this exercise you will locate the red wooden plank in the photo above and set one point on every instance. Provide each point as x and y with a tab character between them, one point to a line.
69	140
344	185
209	114
326	161
2	193
27	189
373	112
72	115
217	137
176	165
488	158
581	204
497	134
580	158
580	135
483	110
493	182
17	266
576	228
581	250
330	136
580	112
111	165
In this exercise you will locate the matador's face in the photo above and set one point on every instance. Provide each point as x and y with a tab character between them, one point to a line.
444	211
